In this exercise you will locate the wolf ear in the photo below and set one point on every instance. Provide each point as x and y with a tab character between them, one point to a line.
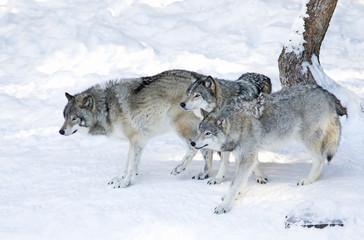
209	82
69	96
204	113
88	102
221	122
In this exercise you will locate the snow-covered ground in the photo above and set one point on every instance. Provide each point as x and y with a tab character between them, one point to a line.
55	187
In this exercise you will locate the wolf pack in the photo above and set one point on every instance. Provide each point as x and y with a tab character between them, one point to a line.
209	114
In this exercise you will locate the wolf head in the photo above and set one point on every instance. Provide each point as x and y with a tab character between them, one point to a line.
214	132
222	129
201	95
77	114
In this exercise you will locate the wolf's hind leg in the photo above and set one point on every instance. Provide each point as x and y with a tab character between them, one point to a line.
314	145
315	171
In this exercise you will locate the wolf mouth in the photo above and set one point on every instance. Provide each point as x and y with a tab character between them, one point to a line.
74	132
202	146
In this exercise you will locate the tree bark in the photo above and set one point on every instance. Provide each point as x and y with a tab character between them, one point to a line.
293	60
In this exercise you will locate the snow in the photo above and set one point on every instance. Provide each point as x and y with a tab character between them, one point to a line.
296	40
55	187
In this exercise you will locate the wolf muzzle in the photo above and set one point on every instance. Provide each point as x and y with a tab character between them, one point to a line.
193	144
63	132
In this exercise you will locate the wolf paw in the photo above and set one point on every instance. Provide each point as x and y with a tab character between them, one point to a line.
178	170
304	181
214	181
114	180
201	176
222	208
119	182
262	180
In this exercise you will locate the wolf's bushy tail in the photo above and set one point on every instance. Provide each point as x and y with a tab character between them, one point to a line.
331	139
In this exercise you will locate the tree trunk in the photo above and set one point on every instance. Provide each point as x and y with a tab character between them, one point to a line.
305	43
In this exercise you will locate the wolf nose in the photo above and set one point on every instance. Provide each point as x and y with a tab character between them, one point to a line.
193	144
183	104
61	132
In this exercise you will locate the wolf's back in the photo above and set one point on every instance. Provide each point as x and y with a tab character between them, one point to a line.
166	78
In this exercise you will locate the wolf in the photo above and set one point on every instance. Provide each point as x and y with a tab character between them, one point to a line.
208	93
136	110
307	113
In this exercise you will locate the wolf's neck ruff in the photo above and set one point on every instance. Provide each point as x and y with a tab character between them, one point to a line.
100	124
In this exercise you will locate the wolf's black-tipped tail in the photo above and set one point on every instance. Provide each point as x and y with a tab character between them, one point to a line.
329	157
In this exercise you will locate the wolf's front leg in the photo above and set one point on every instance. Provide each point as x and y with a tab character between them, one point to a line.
185	162
207	155
239	184
134	154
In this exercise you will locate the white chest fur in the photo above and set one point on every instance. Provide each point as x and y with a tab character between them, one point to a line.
117	131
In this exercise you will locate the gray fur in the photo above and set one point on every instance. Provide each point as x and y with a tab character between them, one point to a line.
306	113
135	110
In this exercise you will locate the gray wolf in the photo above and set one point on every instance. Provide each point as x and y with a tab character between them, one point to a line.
207	93
306	113
136	110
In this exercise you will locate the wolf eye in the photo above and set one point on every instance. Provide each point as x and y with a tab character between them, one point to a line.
208	133
74	118
197	95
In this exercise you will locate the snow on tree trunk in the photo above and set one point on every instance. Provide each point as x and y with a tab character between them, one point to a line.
305	40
